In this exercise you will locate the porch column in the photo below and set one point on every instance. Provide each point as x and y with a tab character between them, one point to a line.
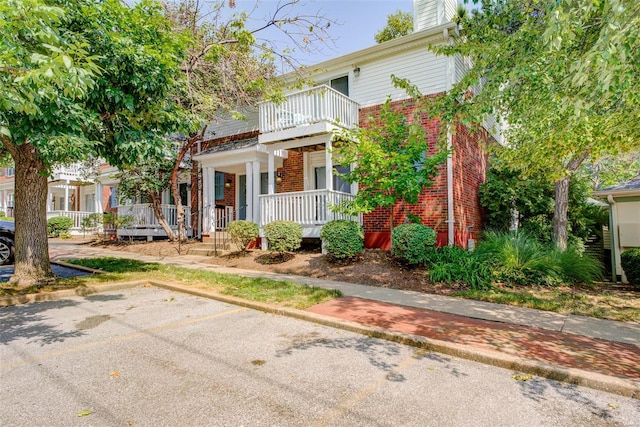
271	174
248	167
66	196
328	160
256	191
50	206
98	198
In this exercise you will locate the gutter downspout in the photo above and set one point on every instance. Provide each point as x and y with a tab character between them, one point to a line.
612	233
450	213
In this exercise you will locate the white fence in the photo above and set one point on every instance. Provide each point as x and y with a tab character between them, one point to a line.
216	218
314	105
307	208
143	216
76	216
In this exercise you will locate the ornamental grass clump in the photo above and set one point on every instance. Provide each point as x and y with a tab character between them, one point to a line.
630	260
411	242
342	239
242	233
283	236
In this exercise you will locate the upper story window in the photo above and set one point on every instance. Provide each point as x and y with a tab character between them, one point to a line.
9	171
341	84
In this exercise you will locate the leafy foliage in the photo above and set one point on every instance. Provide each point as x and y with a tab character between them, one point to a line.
392	157
242	233
411	242
59	225
563	75
506	190
630	260
399	24
518	258
451	264
283	236
342	239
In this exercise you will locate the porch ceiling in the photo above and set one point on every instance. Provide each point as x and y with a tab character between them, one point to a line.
309	148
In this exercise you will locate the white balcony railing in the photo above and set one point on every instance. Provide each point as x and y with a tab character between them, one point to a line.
216	218
143	216
72	172
307	107
307	208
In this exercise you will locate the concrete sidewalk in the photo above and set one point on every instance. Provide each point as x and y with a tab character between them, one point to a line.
567	346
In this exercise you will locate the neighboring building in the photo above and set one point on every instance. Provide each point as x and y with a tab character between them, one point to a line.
76	192
624	220
275	165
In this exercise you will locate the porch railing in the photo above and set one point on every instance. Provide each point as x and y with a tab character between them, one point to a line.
76	216
72	171
216	218
306	107
307	208
143	216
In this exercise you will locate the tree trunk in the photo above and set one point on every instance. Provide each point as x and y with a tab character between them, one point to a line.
156	206
32	265
193	139
560	213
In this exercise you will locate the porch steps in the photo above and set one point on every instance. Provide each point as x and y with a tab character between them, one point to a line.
212	245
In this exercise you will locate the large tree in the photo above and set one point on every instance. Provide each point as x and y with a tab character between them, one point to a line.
399	24
229	67
80	79
564	75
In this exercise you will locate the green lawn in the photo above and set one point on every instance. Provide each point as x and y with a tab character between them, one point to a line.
285	294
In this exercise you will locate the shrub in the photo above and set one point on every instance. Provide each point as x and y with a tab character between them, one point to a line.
411	242
577	268
630	260
451	264
518	258
283	236
59	225
242	233
342	239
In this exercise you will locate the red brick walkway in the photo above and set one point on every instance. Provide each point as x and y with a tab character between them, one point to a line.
556	348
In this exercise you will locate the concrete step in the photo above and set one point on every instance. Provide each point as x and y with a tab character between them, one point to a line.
208	249
221	236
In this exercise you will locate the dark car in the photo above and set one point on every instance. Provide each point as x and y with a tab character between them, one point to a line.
7	237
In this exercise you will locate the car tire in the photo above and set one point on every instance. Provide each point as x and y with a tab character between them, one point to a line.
6	251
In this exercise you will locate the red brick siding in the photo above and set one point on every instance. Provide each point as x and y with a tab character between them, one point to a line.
293	168
469	167
469	171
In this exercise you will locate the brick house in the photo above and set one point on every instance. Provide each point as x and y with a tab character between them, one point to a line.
276	164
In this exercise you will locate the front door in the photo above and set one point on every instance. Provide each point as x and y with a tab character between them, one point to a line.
242	197
320	173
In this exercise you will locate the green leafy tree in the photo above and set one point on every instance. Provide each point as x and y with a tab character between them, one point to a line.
393	159
506	191
147	181
398	24
563	74
229	68
83	79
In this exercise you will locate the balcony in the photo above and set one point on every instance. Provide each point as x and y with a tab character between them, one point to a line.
309	112
311	209
72	172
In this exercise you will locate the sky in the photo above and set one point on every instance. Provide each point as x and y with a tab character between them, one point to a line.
356	22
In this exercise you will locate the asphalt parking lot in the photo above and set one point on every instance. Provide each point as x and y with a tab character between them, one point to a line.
146	356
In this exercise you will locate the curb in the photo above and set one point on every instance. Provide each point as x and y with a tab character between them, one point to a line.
619	386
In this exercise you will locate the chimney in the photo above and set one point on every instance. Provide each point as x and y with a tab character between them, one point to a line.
431	13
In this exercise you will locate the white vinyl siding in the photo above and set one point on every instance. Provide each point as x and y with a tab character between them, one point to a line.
420	66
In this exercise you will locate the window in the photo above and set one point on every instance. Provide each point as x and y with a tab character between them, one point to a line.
264	183
219	185
113	198
339	184
10	171
341	84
